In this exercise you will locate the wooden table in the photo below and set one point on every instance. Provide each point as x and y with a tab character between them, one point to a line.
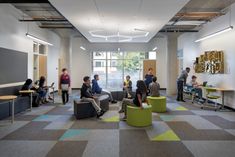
31	96
10	98
222	90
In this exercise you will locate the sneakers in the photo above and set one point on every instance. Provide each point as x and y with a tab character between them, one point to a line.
121	111
101	113
123	119
114	102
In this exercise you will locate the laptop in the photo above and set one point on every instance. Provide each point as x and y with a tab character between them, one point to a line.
204	84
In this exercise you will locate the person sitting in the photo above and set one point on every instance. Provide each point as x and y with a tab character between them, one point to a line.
96	89
154	88
43	90
86	95
127	87
28	86
196	87
140	97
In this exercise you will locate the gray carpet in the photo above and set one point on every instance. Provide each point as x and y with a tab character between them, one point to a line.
183	131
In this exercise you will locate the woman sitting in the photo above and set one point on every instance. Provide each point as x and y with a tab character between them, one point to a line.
43	90
140	97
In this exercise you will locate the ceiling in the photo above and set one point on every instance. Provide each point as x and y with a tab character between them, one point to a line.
47	17
196	13
118	20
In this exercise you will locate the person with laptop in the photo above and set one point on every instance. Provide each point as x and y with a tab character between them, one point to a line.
197	87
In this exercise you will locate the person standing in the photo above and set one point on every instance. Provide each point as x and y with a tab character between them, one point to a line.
64	85
148	77
154	88
181	81
87	96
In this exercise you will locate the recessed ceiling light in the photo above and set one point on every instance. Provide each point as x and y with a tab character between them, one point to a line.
83	48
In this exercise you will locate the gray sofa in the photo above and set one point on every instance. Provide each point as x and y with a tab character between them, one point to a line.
21	103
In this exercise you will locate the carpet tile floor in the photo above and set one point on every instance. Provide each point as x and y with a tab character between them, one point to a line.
184	130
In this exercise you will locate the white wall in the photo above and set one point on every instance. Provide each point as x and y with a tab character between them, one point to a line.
12	36
81	60
223	42
161	44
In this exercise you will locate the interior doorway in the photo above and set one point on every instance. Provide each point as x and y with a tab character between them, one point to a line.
149	64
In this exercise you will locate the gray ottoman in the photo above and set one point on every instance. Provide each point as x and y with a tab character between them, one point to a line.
85	109
104	102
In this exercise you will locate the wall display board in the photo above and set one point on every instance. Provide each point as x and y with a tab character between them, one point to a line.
13	66
210	62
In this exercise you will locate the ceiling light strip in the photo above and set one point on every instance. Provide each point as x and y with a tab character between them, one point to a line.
215	34
94	33
39	40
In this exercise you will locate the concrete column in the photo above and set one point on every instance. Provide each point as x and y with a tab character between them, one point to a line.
172	63
65	54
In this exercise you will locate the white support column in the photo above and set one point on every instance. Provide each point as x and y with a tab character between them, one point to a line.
172	63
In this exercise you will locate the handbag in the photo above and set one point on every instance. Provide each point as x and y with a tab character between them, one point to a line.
65	87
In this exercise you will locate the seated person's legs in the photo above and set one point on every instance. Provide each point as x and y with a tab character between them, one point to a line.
125	102
94	103
105	91
199	92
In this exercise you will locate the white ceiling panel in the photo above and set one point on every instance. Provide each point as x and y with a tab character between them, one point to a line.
118	20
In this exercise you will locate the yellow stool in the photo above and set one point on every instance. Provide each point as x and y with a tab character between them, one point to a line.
139	117
158	103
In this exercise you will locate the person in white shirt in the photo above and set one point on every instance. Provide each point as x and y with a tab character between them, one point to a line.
196	86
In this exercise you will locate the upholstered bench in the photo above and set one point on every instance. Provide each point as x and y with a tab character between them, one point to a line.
84	109
139	117
158	103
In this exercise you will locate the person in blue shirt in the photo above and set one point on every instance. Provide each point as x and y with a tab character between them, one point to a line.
148	78
96	89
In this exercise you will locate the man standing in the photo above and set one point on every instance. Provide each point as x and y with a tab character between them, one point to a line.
181	82
86	95
97	90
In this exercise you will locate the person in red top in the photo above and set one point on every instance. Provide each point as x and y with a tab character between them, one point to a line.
65	85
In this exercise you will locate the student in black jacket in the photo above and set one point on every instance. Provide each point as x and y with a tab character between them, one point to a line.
86	95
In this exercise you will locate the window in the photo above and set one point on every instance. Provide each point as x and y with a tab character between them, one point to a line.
112	67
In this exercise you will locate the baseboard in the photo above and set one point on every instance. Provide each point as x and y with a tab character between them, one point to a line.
76	88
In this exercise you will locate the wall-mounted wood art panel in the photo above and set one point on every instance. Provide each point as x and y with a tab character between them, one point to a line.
210	62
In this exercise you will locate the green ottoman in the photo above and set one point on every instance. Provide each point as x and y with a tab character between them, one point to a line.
158	103
139	117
